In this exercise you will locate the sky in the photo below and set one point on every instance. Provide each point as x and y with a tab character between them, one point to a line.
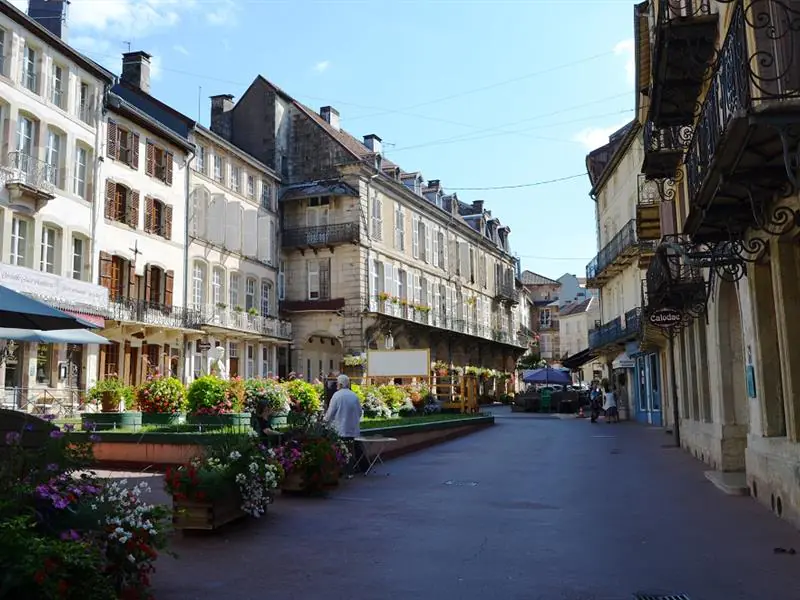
475	93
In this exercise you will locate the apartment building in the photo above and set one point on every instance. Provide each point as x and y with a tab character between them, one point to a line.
50	106
374	256
142	234
543	294
575	321
234	283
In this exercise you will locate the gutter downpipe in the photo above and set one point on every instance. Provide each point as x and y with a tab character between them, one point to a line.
190	158
97	200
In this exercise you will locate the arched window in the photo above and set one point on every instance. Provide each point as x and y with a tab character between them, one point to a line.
50	254
199	274
218	287
250	293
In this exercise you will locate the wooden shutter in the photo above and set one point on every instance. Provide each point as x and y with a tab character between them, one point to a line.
134	150
149	225
105	270
168	158
148	282
111	190
149	159
133	209
168	222
169	282
112	140
131	280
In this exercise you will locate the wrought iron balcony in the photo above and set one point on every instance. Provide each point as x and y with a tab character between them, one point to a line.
675	276
617	331
321	236
506	292
650	194
663	149
29	176
683	51
128	310
622	250
739	157
239	320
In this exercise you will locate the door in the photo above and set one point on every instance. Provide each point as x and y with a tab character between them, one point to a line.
233	370
654	388
74	365
642	403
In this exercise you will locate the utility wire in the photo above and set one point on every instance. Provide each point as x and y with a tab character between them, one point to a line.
514	187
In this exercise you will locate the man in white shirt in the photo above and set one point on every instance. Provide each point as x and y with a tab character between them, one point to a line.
344	415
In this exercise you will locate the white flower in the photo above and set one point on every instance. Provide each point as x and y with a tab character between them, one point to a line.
131	558
235	455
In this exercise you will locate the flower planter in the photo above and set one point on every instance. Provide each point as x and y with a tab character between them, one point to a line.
235	420
113	420
331	479
163	418
276	421
110	402
207	515
293	483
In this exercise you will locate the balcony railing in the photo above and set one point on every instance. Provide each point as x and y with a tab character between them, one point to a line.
32	172
218	316
551	325
506	292
624	244
321	236
151	313
664	149
616	331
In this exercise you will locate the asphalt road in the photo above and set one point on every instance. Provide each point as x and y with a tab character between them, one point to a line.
532	508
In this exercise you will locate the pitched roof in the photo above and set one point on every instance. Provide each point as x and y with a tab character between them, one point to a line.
577	307
531	278
600	163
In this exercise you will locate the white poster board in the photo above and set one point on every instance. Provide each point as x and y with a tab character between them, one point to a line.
398	363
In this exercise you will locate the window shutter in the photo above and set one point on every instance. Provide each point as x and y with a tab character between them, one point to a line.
415	236
216	219
169	159
250	230
149	226
131	280
463	259
169	284
273	242
105	270
200	205
148	283
263	231
112	135
168	222
373	278
134	150
233	226
133	209
149	159
417	288
111	189
388	278
398	276
435	236
428	243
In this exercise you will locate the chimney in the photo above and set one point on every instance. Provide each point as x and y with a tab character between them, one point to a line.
50	14
136	70
477	206
331	115
373	142
222	115
433	183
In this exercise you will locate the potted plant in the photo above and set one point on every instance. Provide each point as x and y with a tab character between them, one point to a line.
383	296
312	460
214	402
267	399
252	311
162	401
235	478
114	399
305	399
441	368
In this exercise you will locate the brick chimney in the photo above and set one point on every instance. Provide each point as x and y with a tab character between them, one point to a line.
331	115
136	70
222	115
477	206
50	14
373	142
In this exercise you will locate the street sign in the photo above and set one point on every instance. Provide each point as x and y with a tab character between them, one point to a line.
203	346
666	318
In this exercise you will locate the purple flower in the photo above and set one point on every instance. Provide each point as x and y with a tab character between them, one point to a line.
94	438
56	434
12	438
52	467
70	535
69	427
49	417
88	426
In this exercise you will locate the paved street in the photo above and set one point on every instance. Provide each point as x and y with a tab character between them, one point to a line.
536	508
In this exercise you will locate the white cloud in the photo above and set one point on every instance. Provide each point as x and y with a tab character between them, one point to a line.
180	49
322	66
223	14
594	137
626	49
155	67
127	18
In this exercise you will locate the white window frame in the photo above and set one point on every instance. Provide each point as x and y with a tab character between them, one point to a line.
78	252
81	171
219	168
48	259
58	94
314	287
199	283
281	279
20	232
251	186
236	179
53	156
217	286
266	297
29	76
234	289
250	293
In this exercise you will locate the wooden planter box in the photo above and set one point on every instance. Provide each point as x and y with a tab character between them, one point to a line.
294	483
207	515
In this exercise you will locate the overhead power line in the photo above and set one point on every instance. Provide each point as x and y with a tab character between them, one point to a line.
514	187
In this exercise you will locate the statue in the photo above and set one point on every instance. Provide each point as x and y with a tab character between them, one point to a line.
217	366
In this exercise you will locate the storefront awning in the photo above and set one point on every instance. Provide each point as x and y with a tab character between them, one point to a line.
59	336
579	359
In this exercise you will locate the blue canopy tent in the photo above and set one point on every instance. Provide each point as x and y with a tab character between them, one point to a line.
55	336
547	375
21	312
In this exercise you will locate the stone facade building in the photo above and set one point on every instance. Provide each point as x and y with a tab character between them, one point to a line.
373	255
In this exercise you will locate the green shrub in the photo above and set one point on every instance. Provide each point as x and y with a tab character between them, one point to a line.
266	393
235	392
304	396
208	396
358	391
161	395
393	396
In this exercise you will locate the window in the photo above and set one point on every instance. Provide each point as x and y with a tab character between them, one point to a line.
236	178
157	217
399	229
415	236
200	160
159	163
50	243
250	294
402	284
251	186
44	352
53	157
81	170
25	145
317	214
442	250
266	298
472	265
29	59
115	281
218	287
545	318
266	195
266	361
421	241
377	276
250	368
233	290
199	284
19	241
218	168
85	103
377	218
122	204
319	279
2	52
483	264
122	145
78	254
58	95
281	280
154	285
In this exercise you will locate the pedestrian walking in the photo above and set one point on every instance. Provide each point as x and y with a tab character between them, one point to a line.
595	401
610	405
344	415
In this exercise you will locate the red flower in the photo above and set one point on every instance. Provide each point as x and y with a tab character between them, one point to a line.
39	577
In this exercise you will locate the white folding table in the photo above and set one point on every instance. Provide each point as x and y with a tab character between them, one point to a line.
372	449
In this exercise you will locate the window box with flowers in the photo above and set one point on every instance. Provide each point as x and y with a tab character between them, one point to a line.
236	478
354	361
162	401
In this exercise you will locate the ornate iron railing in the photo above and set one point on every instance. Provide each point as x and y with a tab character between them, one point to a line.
505	291
31	171
675	138
625	239
616	330
320	235
152	313
218	316
670	11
